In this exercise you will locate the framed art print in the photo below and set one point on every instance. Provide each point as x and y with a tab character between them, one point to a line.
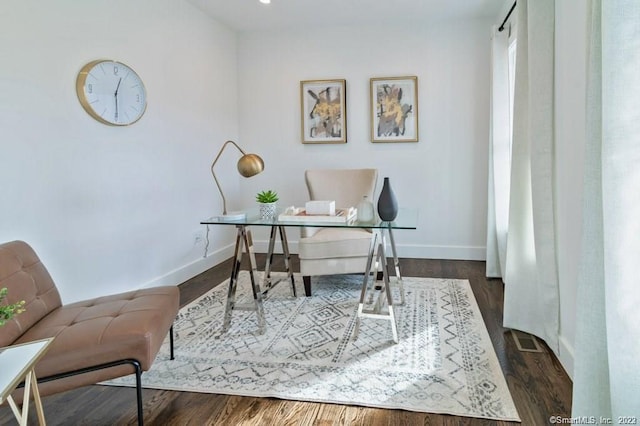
394	109
324	111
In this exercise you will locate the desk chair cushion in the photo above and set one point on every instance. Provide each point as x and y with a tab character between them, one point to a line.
335	242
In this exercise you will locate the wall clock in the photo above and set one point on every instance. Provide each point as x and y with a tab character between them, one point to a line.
111	92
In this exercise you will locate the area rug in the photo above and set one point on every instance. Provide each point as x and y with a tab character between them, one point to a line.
444	361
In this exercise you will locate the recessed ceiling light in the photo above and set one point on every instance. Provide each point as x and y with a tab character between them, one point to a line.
265	1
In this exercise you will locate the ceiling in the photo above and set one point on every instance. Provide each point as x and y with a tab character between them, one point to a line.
251	15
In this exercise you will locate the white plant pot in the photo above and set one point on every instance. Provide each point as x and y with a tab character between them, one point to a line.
267	211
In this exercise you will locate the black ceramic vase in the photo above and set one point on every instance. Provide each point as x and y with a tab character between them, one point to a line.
387	203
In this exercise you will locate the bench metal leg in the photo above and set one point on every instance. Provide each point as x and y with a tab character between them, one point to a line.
171	342
138	371
138	368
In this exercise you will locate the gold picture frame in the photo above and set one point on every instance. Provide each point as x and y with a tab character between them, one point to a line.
394	109
323	109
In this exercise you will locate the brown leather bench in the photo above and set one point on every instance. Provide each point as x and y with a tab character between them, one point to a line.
95	340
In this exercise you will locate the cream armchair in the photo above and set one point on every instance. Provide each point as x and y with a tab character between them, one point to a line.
328	251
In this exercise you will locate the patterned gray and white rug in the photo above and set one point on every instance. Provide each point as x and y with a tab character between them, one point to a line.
443	363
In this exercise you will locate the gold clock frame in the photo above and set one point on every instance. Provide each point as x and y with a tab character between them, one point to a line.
81	80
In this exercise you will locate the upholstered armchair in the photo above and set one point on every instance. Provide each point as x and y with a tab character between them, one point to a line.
328	251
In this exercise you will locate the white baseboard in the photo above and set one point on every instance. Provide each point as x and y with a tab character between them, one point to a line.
566	356
182	274
404	250
420	251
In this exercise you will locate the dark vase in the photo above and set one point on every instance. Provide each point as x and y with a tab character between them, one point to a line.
387	203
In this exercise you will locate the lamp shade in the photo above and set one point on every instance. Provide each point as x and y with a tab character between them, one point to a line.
250	165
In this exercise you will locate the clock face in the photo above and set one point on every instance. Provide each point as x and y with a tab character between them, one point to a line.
111	92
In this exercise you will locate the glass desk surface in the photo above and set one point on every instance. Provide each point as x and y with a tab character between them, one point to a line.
407	219
16	361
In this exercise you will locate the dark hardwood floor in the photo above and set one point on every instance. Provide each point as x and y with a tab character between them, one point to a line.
537	381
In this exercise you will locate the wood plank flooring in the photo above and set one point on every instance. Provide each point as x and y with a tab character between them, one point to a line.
537	381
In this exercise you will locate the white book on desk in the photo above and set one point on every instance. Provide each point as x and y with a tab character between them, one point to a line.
298	214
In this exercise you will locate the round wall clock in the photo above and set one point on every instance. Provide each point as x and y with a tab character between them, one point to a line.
111	92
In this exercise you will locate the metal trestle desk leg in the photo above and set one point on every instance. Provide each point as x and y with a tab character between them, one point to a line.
396	265
268	284
375	305
243	238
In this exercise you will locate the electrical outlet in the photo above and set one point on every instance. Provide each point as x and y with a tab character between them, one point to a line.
198	238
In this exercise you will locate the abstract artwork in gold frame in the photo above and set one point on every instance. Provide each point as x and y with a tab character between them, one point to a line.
323	111
394	109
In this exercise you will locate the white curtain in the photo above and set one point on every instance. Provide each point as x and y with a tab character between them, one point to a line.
531	301
499	161
607	366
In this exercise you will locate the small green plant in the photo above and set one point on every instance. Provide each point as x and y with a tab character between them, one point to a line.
9	311
267	196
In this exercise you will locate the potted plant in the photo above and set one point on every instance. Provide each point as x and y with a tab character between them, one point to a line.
8	311
267	201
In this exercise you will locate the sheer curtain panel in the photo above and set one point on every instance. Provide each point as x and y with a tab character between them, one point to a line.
499	147
607	367
531	301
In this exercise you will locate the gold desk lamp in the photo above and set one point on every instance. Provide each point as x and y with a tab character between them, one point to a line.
248	165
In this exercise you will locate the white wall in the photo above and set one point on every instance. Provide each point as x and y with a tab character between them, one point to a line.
113	208
444	175
570	84
110	208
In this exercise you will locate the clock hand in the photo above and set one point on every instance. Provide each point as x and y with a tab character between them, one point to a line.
115	94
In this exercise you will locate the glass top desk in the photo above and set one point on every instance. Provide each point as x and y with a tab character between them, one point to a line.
377	261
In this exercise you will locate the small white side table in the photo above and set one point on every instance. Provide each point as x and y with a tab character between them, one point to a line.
17	363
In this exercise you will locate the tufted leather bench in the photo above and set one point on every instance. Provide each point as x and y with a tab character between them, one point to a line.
95	340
